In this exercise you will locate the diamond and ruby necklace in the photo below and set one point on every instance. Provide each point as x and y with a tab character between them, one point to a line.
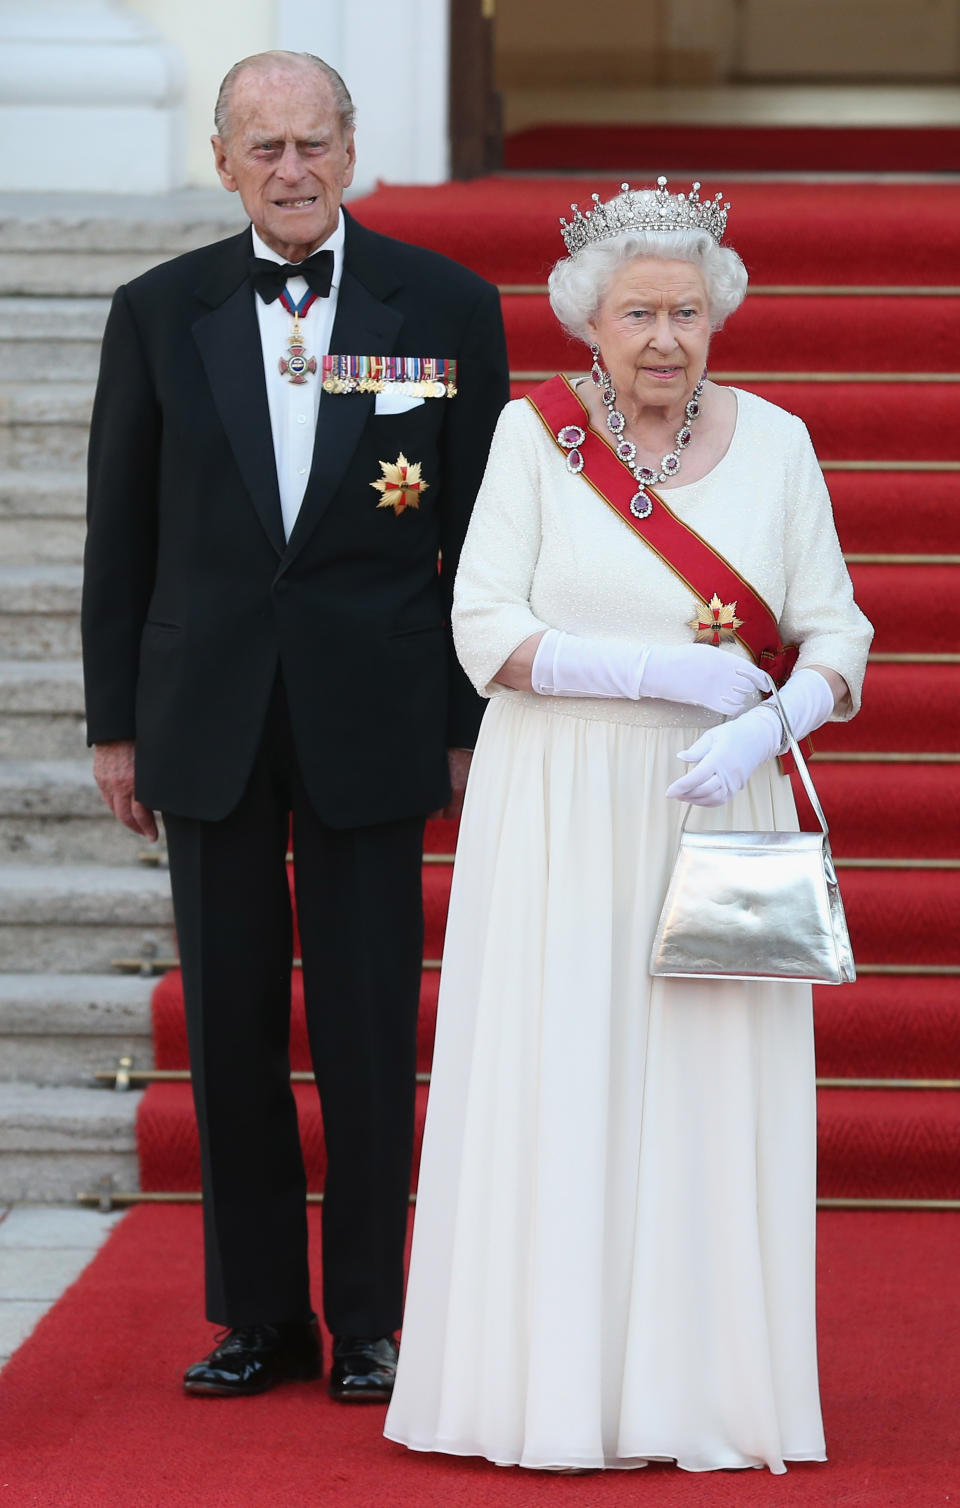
641	505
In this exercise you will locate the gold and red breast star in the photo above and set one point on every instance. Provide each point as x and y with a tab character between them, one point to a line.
715	622
401	484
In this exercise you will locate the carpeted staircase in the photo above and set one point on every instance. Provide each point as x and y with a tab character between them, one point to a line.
853	324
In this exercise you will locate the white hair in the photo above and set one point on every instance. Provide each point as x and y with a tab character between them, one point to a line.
279	59
578	284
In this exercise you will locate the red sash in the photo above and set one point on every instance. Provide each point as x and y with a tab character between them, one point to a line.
690	558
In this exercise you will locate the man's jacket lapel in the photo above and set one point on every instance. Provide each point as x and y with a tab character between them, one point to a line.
363	326
229	342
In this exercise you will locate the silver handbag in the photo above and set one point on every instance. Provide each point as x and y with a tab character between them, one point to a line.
755	905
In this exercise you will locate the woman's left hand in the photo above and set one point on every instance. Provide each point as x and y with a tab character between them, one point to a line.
725	757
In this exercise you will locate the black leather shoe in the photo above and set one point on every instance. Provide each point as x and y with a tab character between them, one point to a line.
363	1369
253	1358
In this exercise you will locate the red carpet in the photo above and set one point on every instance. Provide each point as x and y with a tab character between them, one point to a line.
894	421
913	709
728	149
880	1027
807	233
170	1153
920	805
93	1415
894	1026
900	512
876	1144
910	920
771	332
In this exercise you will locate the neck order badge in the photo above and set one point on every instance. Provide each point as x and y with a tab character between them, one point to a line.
270	280
297	365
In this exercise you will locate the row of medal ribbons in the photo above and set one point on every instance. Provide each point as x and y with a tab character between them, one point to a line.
419	376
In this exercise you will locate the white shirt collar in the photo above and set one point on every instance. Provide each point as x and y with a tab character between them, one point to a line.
334	243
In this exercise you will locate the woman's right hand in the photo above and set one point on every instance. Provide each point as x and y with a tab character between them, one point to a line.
555	663
702	676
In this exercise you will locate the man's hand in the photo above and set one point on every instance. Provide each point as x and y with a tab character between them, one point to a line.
113	770
459	762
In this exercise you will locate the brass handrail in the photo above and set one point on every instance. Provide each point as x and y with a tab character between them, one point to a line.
126	1076
110	1199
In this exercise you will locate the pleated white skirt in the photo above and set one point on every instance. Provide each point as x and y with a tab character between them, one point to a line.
613	1255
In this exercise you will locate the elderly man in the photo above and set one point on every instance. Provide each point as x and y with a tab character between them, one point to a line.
266	637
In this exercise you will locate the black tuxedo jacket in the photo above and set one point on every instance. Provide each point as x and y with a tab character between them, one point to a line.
192	597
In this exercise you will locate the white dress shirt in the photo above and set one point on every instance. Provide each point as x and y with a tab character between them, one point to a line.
293	406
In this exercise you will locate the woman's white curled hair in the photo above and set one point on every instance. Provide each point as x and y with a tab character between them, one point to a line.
579	284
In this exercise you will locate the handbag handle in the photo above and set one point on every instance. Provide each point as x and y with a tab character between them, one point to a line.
801	764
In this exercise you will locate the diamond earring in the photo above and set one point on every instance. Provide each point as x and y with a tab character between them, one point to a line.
597	374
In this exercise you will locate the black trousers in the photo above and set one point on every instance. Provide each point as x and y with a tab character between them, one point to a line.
360	915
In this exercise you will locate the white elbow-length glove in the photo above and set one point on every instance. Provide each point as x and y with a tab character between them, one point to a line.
725	757
696	674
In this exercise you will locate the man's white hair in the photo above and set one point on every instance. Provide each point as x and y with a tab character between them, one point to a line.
266	62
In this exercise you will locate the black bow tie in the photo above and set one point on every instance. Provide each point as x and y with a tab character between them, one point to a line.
270	278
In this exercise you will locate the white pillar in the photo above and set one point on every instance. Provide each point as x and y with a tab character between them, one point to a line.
90	100
394	58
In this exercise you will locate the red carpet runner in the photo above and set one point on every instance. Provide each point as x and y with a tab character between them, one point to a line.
93	1414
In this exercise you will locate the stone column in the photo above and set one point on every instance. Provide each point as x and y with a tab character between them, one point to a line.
394	58
90	100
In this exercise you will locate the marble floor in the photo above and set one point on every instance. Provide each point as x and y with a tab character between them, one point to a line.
43	1249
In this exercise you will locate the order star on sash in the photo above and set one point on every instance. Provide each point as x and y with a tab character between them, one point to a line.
401	484
715	622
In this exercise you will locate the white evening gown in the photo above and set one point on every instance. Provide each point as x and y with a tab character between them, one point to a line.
613	1255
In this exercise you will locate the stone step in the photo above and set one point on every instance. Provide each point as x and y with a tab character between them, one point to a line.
38	636
90	273
44	424
24	541
59	1141
39	611
51	812
79	918
64	1028
42	703
87	244
51	588
51	339
40	788
43	494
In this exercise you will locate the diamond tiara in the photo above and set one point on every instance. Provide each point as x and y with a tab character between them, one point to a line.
644	209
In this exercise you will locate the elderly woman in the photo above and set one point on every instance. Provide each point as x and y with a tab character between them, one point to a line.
613	1256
